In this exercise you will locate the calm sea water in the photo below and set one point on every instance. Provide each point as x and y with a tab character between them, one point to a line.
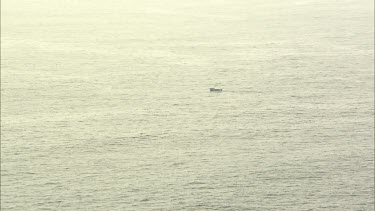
105	105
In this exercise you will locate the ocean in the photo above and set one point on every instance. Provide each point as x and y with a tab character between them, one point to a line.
105	105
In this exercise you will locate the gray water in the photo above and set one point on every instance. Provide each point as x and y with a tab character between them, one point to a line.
106	105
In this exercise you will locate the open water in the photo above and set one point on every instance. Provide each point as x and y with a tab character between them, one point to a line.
105	105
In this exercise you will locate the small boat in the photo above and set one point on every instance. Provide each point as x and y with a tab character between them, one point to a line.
215	90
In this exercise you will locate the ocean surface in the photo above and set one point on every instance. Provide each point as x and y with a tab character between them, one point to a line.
105	105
